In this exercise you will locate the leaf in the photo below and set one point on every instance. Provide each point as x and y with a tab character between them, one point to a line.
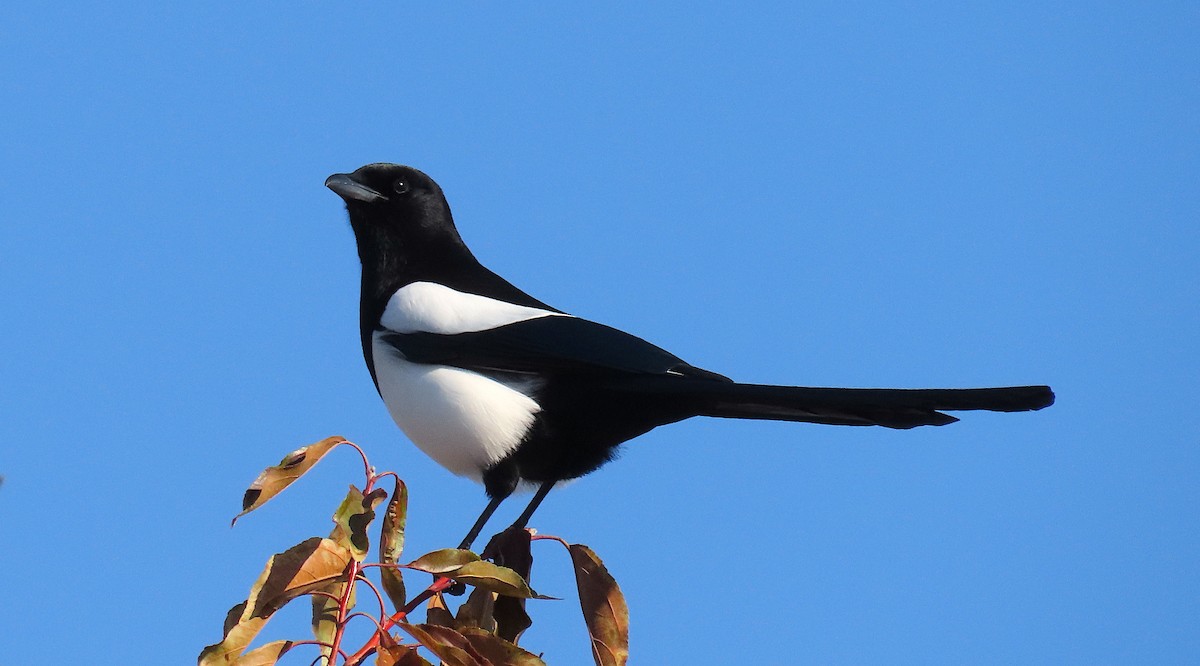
510	548
307	566
324	617
232	617
351	519
499	651
604	607
391	543
444	561
264	656
477	611
273	480
237	635
496	578
325	612
350	522
391	653
399	655
296	571
437	613
450	646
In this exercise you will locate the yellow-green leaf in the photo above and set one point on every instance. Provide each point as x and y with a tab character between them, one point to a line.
350	522
444	561
325	611
604	607
274	479
352	518
498	579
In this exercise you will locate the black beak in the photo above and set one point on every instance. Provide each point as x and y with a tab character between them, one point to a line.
349	189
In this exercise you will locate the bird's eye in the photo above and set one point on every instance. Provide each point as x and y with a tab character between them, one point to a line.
400	186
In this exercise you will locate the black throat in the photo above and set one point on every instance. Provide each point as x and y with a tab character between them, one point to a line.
425	250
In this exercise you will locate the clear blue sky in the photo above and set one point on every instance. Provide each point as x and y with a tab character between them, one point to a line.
863	194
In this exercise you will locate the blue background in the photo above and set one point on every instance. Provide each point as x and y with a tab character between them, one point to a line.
852	194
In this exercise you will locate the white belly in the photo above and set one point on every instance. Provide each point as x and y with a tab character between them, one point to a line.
463	420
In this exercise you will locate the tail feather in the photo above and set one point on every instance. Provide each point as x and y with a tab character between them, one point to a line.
891	408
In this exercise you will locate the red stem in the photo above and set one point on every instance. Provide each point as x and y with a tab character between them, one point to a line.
438	585
361	614
362	577
318	644
370	471
343	609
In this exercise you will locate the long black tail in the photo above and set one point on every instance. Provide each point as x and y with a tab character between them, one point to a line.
892	408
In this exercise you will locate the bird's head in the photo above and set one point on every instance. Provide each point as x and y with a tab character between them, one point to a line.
399	215
392	195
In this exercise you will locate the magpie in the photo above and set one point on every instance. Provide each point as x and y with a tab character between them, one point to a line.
498	386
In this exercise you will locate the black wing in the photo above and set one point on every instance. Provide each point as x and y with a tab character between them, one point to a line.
545	345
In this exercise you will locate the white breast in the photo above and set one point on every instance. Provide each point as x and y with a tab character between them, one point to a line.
463	420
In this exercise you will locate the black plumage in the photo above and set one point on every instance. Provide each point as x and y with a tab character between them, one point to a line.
545	396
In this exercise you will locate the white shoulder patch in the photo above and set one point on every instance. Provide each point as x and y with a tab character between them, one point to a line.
428	307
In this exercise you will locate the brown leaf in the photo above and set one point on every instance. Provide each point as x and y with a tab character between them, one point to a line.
510	548
477	611
391	543
399	655
498	579
351	519
305	567
450	646
232	617
273	480
499	651
238	633
444	561
437	613
604	607
264	656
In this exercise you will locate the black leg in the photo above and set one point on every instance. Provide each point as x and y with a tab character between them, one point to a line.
540	495
483	518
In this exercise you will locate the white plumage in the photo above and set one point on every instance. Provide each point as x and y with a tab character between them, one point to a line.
462	419
434	308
